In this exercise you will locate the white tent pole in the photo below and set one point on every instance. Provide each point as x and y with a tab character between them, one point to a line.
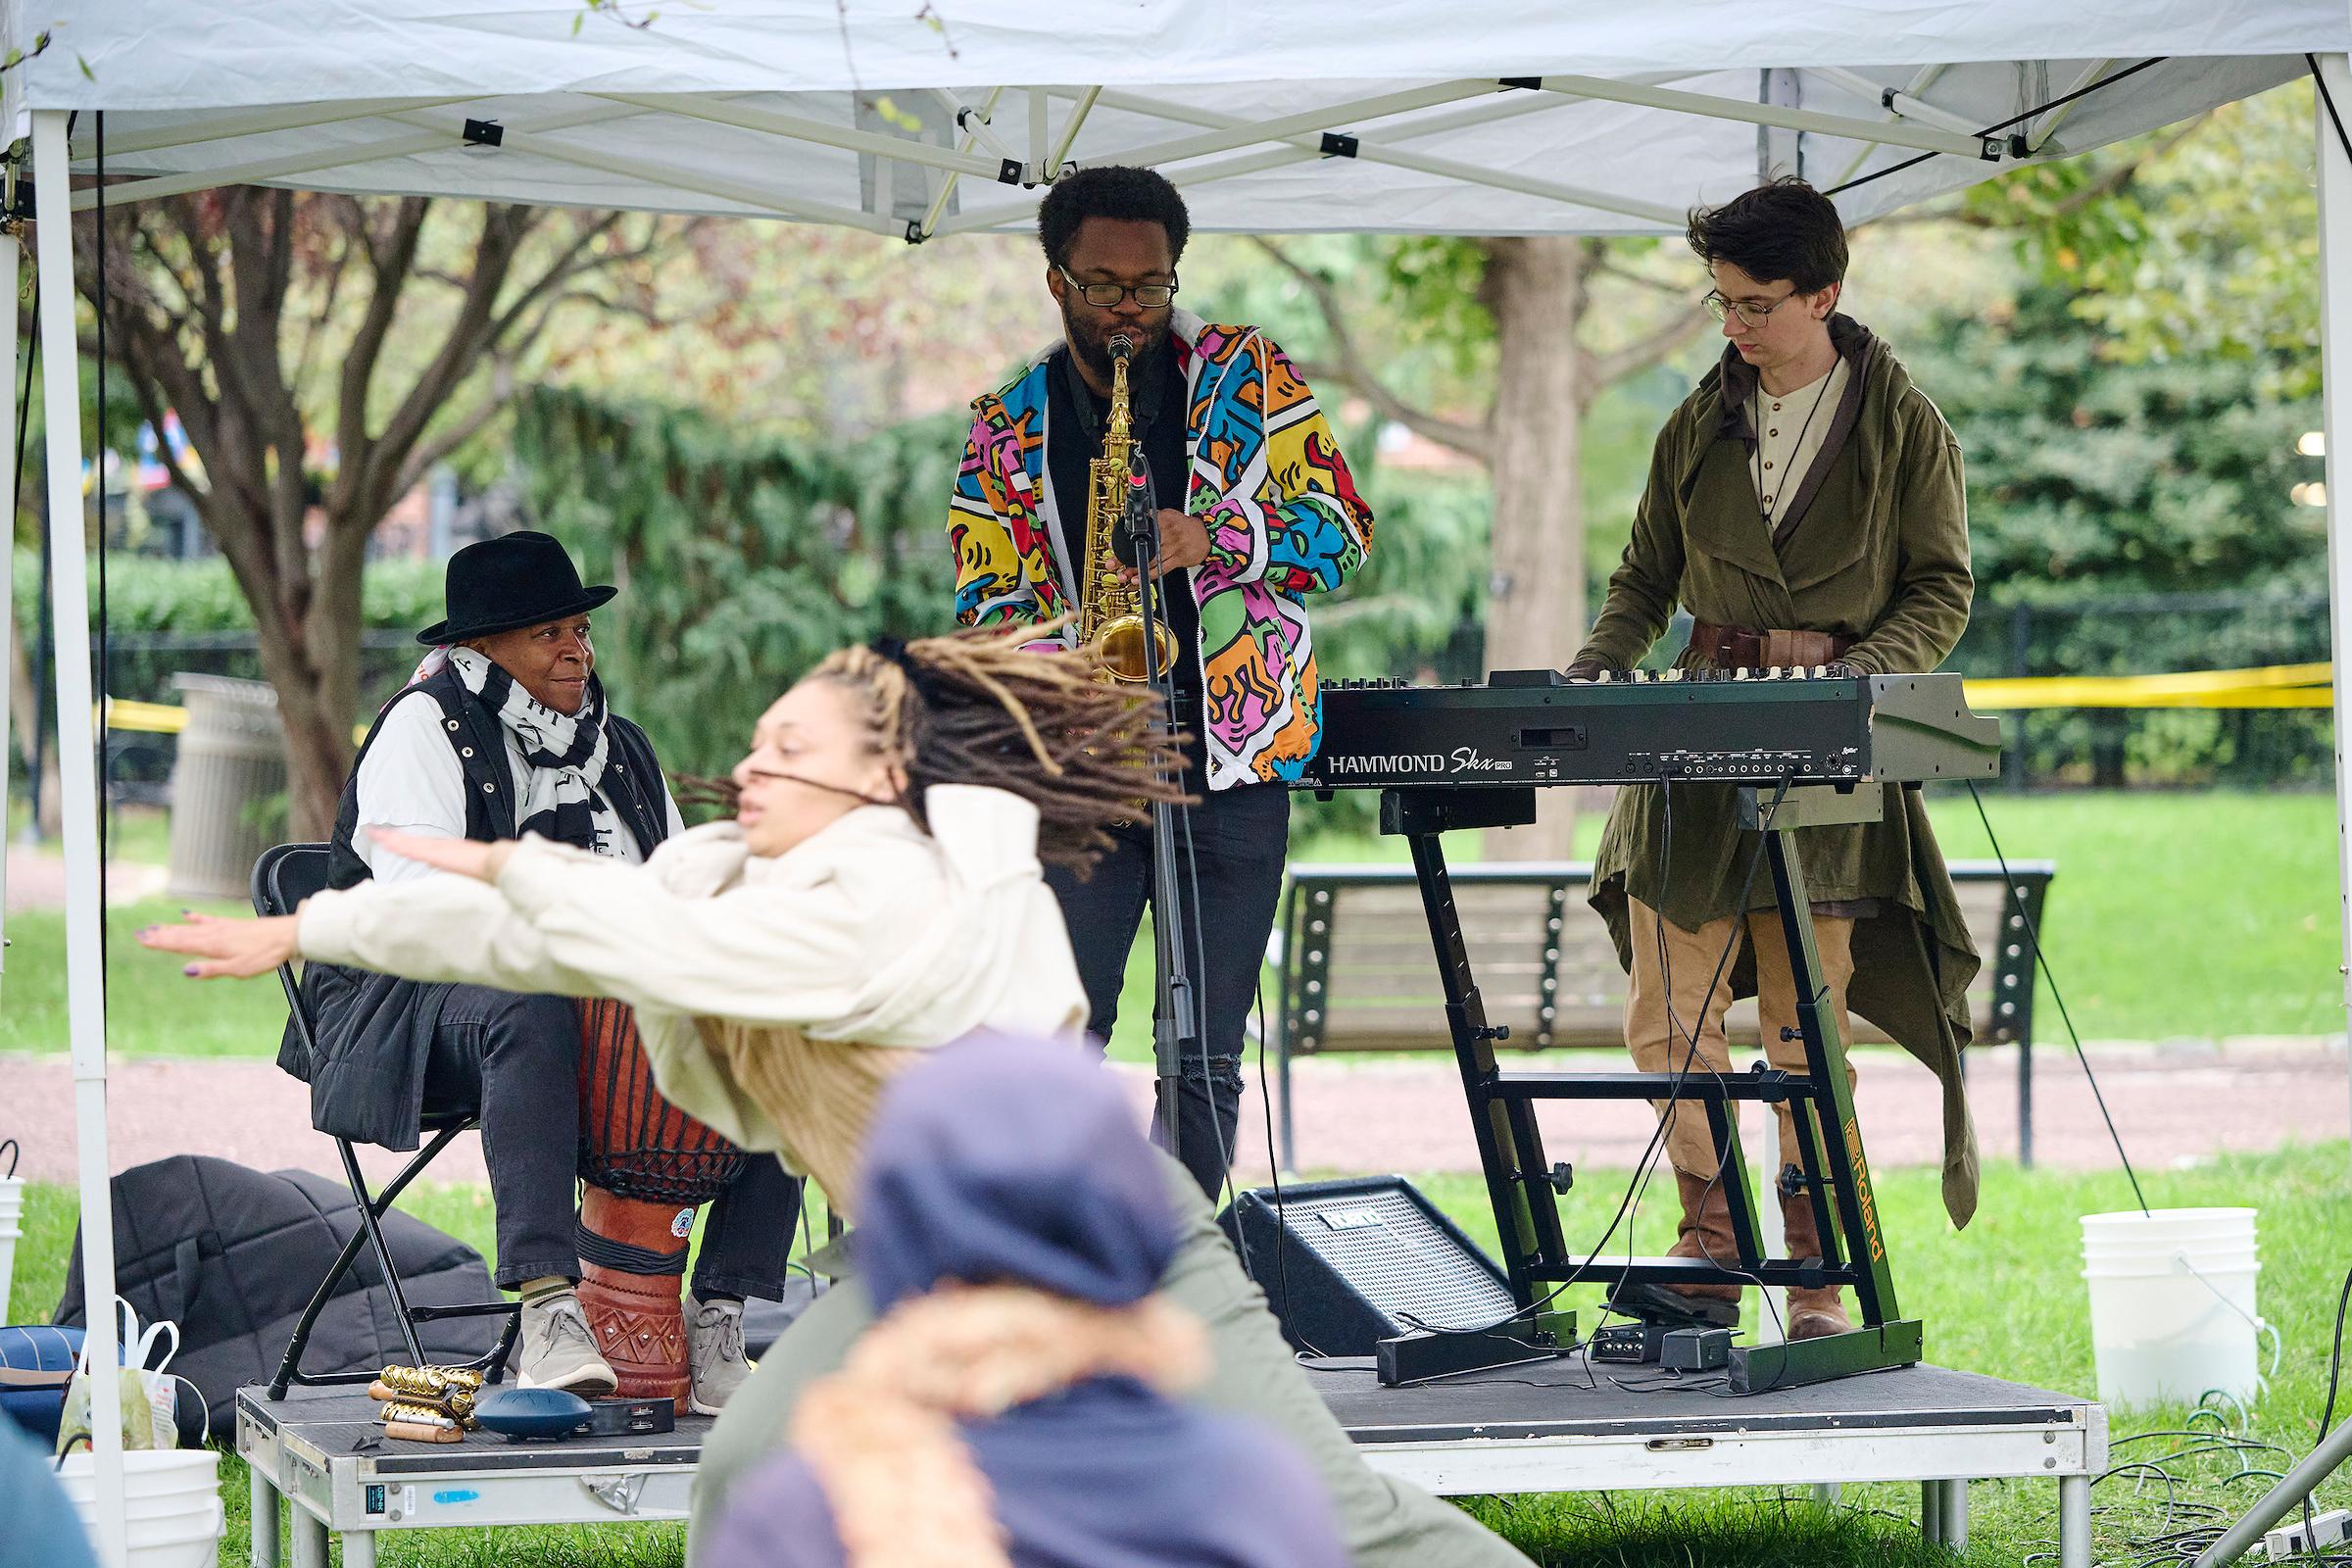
975	125
261	171
1069	133
432	136
799	127
1306	147
1893	133
227	127
78	781
1330	117
10	255
974	121
1919	82
1380	149
2036	136
1895	100
2335	406
773	203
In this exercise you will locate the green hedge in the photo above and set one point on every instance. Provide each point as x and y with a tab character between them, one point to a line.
144	594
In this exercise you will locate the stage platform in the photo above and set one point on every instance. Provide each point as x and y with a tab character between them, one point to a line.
1554	1425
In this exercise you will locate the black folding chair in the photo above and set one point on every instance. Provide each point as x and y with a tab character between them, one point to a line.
282	878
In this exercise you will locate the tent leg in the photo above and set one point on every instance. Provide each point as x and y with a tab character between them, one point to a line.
77	777
10	255
2336	402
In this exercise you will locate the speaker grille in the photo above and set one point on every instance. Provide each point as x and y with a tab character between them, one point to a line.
1386	1245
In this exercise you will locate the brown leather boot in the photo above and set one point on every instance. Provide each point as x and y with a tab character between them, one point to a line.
1705	1233
1816	1312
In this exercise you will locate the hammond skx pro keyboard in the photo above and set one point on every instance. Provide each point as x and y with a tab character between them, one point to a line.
1533	727
1802	749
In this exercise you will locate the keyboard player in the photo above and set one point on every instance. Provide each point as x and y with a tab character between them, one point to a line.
1806	506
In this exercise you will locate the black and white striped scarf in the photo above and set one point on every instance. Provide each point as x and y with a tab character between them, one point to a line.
562	796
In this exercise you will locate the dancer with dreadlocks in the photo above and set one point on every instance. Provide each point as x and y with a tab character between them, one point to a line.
879	893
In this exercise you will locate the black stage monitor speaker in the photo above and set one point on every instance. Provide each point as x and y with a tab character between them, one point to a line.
1342	1262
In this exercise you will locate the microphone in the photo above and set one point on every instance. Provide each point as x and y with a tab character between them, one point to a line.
1122	346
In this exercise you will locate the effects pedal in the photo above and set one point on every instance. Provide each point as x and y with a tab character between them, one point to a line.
1696	1349
1634	1344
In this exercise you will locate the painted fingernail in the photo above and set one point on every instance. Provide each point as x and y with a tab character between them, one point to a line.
189	972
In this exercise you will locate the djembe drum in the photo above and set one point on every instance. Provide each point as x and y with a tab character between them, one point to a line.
648	1166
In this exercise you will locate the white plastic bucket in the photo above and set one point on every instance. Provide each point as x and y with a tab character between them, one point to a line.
172	1505
2172	1305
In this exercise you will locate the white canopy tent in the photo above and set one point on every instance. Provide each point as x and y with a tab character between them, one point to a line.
926	119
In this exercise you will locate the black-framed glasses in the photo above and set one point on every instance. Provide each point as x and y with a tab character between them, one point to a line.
1748	311
1105	296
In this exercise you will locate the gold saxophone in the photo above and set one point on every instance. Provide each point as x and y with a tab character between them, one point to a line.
1110	621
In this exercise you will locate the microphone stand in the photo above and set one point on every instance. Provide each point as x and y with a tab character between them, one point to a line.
1175	1017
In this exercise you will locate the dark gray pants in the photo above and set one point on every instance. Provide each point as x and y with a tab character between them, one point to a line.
1232	879
518	1058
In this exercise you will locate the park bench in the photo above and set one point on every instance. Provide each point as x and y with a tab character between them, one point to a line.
1355	971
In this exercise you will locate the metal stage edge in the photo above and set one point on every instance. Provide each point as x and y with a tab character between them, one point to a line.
1513	1429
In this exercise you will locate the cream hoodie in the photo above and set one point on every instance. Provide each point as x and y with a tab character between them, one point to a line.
873	933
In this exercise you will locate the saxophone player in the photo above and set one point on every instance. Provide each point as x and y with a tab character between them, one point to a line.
1256	511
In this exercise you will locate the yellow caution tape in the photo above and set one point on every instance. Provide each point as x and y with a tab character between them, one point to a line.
162	718
2266	686
154	718
2269	686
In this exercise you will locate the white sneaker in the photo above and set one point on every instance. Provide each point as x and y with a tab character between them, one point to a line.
714	1352
559	1351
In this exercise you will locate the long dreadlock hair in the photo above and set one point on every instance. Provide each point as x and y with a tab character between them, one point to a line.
979	708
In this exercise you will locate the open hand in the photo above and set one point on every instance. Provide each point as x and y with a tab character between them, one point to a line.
463	857
230	949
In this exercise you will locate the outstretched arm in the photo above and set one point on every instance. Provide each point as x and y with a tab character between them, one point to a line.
434	928
575	925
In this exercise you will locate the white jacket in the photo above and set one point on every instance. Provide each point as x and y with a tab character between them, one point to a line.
872	932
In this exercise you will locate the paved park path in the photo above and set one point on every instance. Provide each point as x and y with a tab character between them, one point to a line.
1404	1115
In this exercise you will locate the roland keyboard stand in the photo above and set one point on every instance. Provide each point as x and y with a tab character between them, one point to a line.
1523	1188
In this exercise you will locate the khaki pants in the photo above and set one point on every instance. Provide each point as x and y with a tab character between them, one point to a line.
1386	1524
1661	1044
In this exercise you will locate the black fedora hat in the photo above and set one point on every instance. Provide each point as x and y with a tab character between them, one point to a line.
517	579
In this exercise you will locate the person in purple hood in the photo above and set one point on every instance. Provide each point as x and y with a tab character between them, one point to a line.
1017	1401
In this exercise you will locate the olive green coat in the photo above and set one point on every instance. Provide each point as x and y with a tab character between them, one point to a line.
1880	551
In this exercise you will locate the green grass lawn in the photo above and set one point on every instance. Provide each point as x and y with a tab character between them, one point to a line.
2174	915
2004	1297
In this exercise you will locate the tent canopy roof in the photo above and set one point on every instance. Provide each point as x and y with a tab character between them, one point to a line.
1479	116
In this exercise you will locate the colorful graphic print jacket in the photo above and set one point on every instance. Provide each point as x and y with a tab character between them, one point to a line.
1283	515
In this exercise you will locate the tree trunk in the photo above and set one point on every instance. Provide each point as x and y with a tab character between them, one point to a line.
1535	287
24	722
309	657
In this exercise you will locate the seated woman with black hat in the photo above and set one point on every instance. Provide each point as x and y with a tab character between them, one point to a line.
504	731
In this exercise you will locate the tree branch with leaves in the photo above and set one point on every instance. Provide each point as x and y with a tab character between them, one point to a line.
322	353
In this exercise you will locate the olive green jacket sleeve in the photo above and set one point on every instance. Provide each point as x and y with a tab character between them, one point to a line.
1648	577
1932	587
